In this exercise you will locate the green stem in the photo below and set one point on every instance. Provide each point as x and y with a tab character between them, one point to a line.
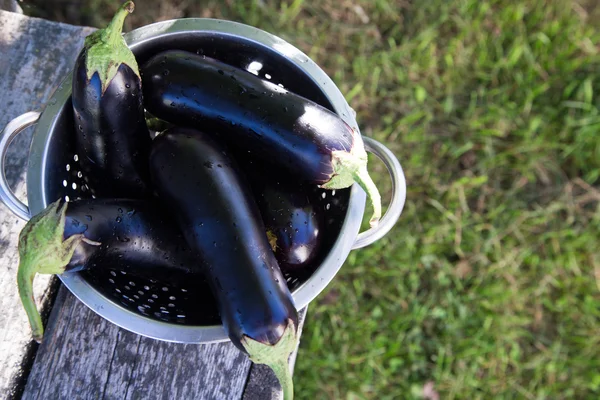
361	176
283	374
42	249
111	35
276	356
25	284
350	167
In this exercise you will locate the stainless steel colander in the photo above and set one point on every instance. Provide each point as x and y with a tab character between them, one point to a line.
180	310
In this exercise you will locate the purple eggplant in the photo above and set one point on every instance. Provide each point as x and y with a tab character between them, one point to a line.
213	206
289	131
112	139
128	235
294	223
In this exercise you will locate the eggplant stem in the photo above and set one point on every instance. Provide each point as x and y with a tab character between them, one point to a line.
276	356
364	180
112	33
283	374
106	49
43	250
25	285
350	167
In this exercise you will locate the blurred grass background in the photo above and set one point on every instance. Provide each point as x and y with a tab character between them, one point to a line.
488	287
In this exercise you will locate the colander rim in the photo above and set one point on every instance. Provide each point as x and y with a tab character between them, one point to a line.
129	320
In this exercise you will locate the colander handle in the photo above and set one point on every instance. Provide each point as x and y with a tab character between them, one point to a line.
12	129
398	195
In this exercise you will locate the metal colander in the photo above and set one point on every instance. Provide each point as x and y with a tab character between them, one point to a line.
177	309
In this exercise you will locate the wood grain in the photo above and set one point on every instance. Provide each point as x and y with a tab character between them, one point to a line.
84	356
34	56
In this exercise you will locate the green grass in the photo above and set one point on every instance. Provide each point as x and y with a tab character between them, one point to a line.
489	285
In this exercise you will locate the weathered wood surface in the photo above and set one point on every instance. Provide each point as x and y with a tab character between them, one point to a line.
83	356
34	56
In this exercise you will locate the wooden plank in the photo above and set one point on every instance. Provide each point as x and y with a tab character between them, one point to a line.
35	55
84	356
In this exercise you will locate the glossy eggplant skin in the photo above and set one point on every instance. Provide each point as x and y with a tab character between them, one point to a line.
135	236
292	219
112	139
216	212
251	113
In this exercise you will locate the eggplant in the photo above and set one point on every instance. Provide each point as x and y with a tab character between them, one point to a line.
128	235
212	203
112	139
289	131
293	222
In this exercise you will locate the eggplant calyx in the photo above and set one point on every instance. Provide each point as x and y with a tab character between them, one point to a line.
350	167
276	356
156	124
272	240
106	49
43	250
